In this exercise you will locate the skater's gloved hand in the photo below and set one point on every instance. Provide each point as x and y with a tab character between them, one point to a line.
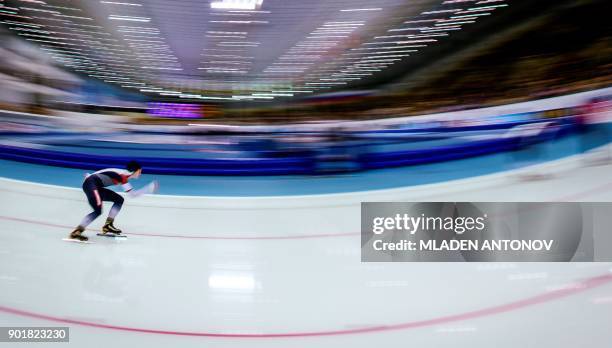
151	187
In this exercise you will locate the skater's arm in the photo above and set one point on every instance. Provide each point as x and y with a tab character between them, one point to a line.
127	187
147	189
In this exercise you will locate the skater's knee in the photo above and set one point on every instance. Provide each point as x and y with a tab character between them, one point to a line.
97	211
119	200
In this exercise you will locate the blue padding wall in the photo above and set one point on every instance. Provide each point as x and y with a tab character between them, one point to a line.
299	163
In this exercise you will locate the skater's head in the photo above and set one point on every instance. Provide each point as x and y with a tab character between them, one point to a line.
135	168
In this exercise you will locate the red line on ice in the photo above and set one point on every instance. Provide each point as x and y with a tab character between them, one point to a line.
575	288
299	236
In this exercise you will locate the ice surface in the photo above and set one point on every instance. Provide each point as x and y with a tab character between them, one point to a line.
232	288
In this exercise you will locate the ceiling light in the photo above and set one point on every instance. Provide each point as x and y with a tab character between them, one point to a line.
236	4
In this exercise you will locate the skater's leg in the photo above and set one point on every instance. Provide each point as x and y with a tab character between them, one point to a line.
108	195
95	201
89	218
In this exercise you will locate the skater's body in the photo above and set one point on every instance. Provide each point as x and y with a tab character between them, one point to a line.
95	189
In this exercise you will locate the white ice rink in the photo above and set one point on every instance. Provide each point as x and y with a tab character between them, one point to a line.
286	272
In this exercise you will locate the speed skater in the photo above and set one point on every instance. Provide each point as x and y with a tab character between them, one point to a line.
94	187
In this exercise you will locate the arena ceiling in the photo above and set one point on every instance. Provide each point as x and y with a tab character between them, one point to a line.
236	50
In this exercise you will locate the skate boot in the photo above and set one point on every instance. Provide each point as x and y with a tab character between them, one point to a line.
77	234
109	228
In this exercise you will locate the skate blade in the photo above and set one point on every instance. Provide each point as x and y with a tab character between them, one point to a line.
111	235
76	241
